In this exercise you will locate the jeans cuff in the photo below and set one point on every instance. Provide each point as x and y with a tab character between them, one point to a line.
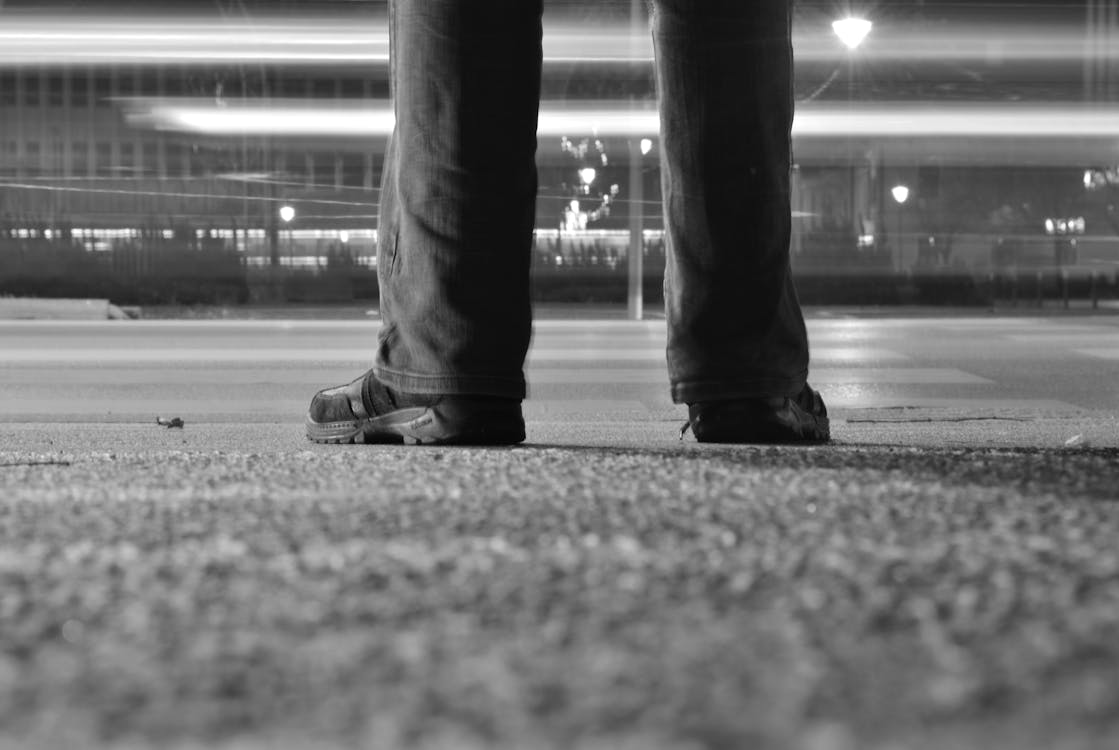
693	391
467	385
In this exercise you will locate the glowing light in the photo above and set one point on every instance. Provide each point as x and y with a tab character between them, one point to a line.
587	175
900	193
344	236
852	31
287	213
829	121
646	146
358	39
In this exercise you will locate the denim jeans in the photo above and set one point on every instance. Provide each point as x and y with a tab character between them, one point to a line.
457	206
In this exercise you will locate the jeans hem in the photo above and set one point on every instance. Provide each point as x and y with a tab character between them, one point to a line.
693	391
472	385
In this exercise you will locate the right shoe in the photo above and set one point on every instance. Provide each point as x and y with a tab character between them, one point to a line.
366	411
801	419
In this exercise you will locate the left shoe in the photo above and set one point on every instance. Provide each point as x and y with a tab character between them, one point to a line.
366	411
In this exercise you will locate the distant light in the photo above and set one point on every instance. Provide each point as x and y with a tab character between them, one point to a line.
852	31
287	213
646	146
1050	226
344	236
900	193
1089	180
587	174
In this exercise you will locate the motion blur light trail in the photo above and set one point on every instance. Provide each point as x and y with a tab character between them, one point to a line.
618	119
54	40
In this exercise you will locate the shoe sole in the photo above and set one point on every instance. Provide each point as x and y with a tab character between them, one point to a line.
753	425
446	423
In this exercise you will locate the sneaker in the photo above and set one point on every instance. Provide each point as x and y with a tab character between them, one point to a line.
801	419
365	411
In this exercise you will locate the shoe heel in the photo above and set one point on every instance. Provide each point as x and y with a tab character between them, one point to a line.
471	422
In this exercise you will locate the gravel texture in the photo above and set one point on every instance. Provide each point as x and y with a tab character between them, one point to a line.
556	596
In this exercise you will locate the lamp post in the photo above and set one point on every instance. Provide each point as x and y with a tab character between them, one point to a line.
635	256
638	149
287	214
852	32
901	195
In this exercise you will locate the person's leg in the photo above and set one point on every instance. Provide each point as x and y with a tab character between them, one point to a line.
735	328
458	201
457	213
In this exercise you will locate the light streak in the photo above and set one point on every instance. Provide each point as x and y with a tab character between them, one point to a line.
56	40
814	120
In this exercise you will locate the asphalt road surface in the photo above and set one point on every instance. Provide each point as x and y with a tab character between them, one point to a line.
236	371
944	575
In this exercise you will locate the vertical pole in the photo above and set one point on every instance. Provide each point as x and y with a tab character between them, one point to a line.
635	302
635	256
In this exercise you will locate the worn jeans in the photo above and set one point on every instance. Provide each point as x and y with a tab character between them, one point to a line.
458	209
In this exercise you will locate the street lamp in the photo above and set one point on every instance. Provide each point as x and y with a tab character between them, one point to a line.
287	213
852	31
587	175
901	195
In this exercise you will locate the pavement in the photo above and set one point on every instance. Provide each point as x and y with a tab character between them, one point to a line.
944	574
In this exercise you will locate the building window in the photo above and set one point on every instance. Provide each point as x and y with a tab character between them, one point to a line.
58	157
79	89
56	90
293	88
175	82
324	172
198	160
324	88
32	81
33	161
126	82
151	159
103	158
352	88
79	159
102	89
7	89
175	161
149	83
127	159
8	156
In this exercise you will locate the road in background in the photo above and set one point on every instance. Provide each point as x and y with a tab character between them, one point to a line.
267	370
